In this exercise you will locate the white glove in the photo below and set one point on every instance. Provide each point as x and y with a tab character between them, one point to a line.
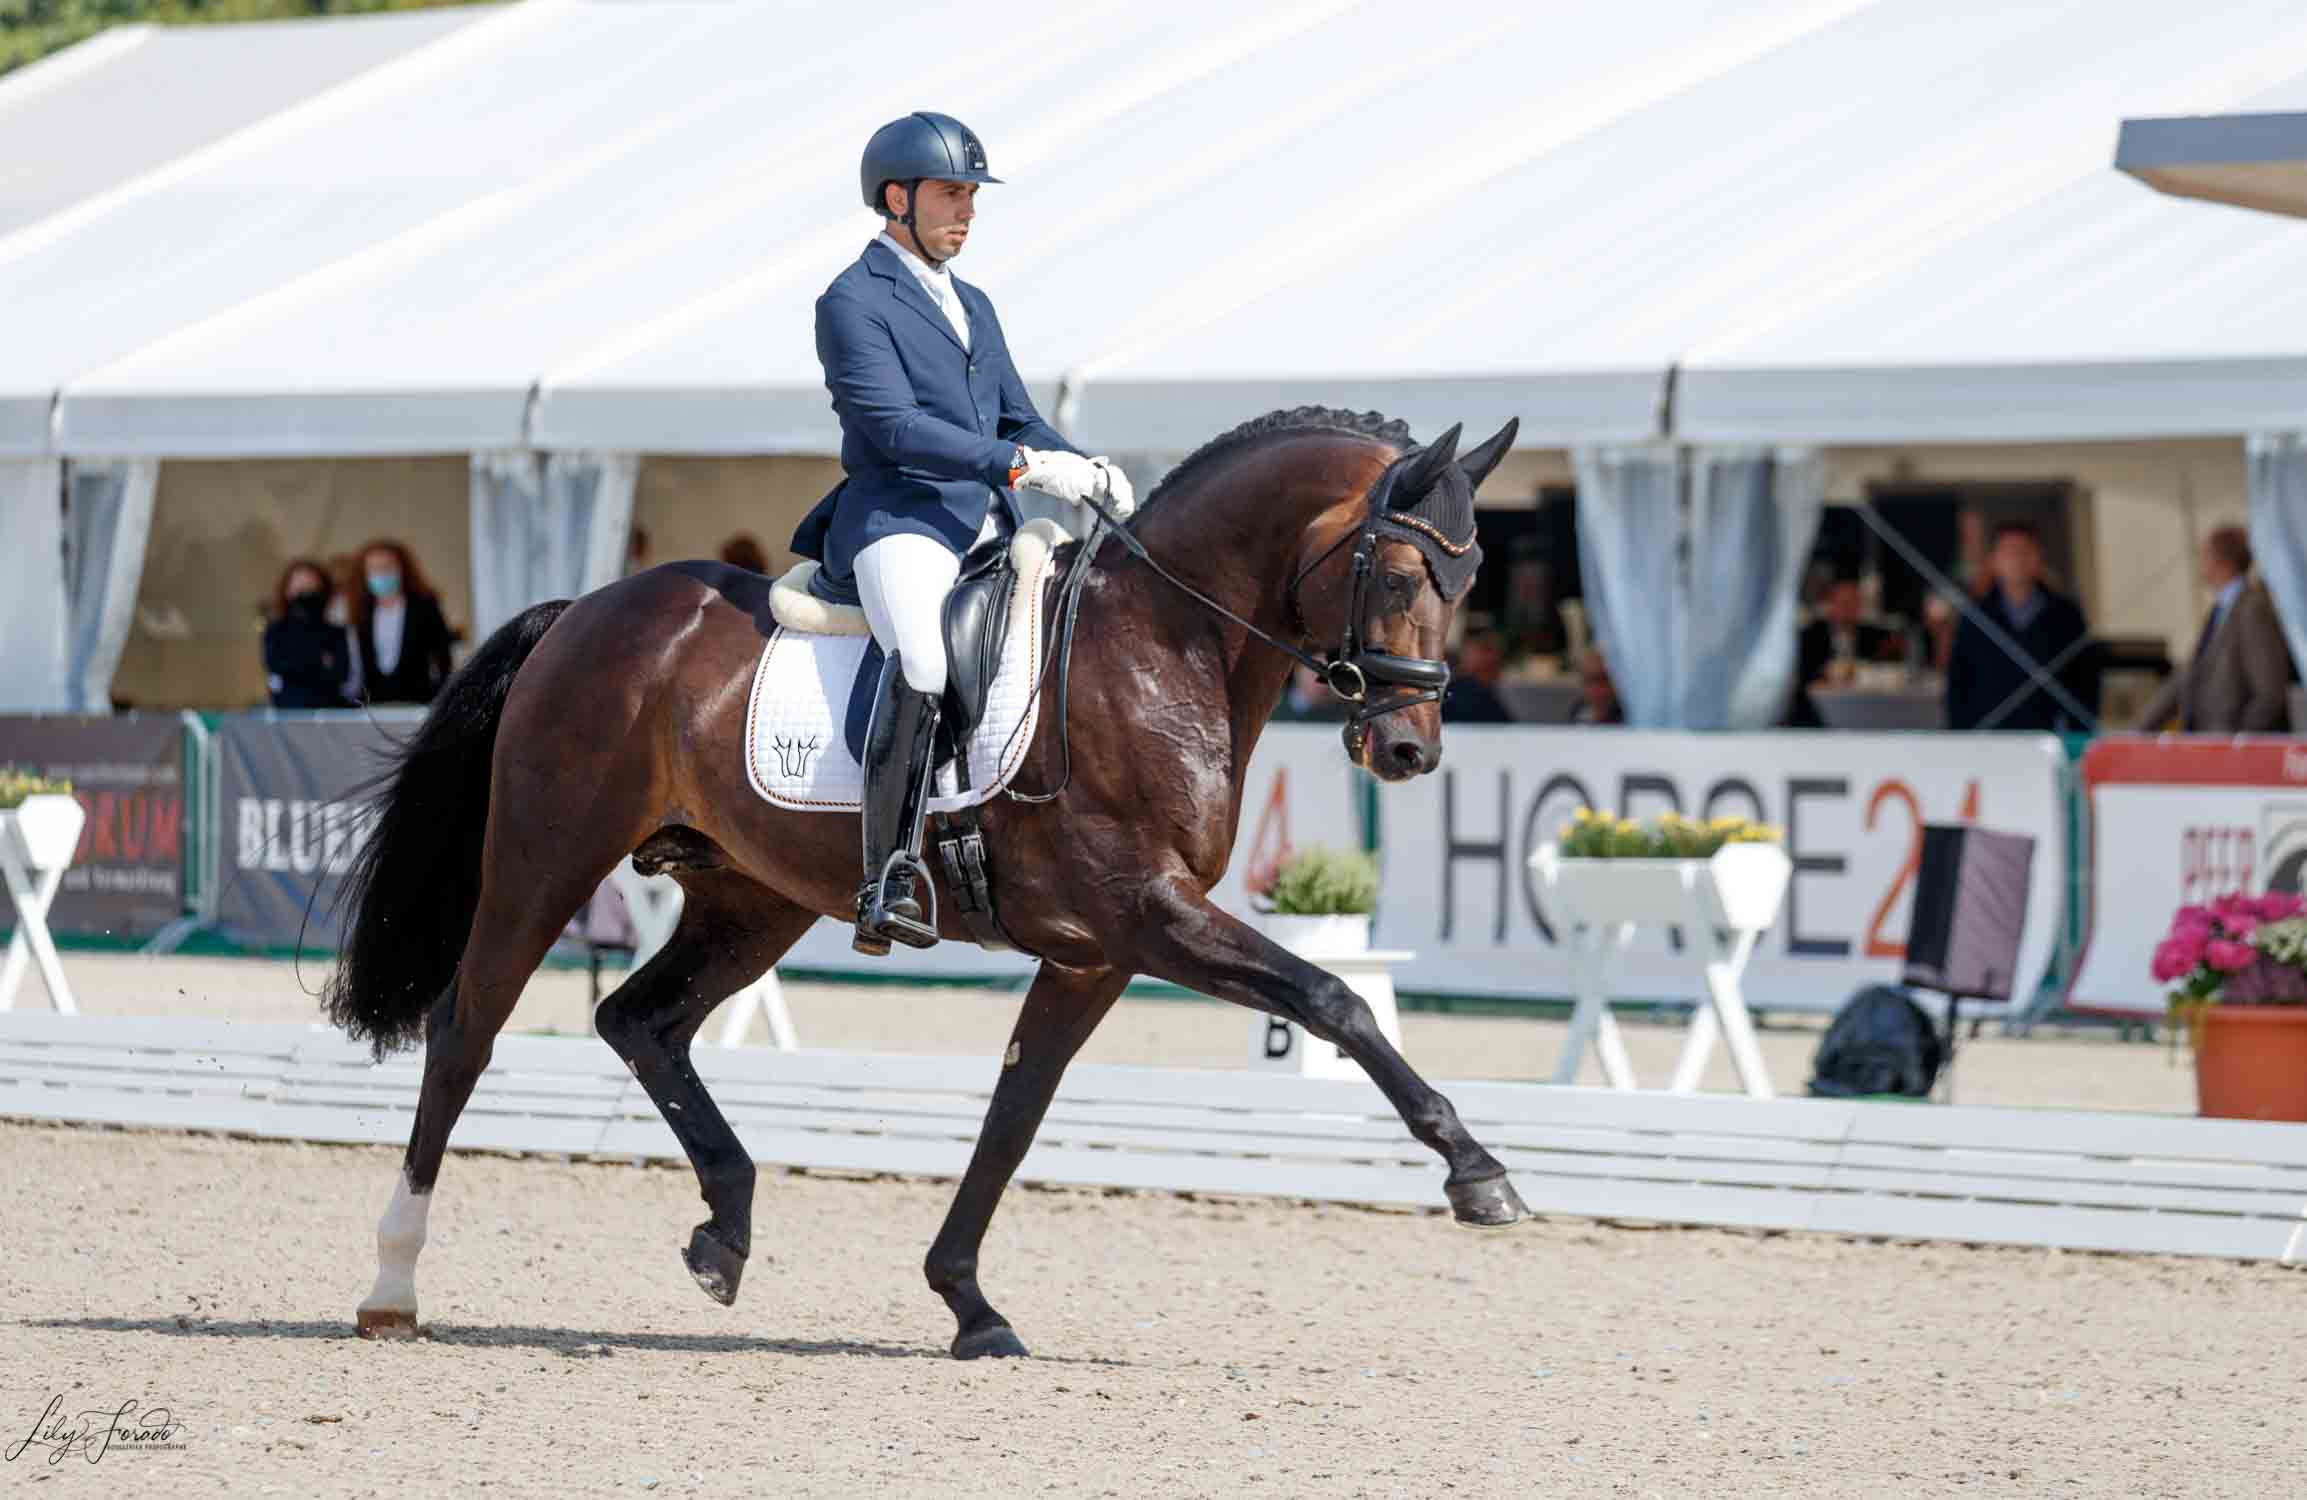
1068	476
1120	500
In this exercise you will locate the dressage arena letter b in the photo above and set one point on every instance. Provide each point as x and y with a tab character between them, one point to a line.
1278	1038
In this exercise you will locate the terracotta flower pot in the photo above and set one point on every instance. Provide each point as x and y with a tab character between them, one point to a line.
2251	1062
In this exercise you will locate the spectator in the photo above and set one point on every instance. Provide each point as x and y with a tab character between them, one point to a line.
1830	648
2238	679
398	628
307	660
1597	694
1472	696
742	551
1986	688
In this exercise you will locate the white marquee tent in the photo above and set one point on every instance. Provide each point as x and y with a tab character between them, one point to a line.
557	234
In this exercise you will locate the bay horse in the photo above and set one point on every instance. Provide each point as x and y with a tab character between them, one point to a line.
583	733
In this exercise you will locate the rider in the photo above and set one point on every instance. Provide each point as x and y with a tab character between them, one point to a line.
936	426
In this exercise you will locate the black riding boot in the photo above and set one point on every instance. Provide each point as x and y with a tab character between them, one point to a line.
897	769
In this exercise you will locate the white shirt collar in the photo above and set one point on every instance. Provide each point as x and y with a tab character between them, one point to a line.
937	278
2228	595
938	282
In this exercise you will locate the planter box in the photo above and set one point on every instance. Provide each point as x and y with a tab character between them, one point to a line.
43	831
2251	1062
1741	887
1311	937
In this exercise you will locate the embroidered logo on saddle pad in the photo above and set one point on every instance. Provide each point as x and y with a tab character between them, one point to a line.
795	753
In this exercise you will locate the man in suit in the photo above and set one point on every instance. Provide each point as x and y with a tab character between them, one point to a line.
1831	647
1986	687
2238	680
936	426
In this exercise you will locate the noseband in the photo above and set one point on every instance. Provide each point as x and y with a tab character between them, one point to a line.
1352	670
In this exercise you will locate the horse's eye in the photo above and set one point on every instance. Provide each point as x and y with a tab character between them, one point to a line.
1400	583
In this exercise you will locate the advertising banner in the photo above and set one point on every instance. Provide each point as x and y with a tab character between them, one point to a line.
2180	821
127	771
290	824
1300	791
1458	892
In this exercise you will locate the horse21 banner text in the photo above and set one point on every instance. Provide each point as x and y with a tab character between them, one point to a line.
1457	889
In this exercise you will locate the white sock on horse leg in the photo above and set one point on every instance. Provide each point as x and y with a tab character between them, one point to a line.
400	1235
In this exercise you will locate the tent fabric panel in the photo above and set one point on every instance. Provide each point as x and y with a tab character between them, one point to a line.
97	116
292	424
24	422
1986	403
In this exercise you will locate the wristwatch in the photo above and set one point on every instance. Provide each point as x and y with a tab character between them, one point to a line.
1016	467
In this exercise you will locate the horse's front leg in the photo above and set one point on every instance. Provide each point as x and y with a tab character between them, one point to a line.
1190	942
1061	1009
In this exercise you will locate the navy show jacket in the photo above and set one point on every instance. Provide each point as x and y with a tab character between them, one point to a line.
927	426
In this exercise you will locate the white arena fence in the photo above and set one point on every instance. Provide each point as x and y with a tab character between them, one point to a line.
2071	1179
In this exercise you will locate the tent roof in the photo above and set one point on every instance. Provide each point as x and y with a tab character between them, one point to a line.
586	223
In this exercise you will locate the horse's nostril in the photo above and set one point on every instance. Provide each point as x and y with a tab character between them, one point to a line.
1408	755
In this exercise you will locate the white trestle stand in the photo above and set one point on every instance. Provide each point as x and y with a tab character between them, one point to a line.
1283	1046
1721	905
38	838
654	902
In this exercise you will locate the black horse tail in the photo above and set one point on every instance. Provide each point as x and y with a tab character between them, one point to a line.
414	885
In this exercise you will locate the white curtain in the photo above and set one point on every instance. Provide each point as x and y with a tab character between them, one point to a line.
107	525
1754	516
2279	531
588	520
32	608
1692	559
1630	527
548	528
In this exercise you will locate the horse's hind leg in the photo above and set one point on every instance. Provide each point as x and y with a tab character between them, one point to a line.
731	930
1061	1010
514	926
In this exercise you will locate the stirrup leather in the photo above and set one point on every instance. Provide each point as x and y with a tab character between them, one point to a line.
897	901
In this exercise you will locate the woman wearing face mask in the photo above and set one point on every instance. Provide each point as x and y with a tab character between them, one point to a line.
398	626
307	660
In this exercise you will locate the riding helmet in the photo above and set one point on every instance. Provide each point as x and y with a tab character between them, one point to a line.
924	144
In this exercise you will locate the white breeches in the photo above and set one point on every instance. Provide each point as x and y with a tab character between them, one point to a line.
902	581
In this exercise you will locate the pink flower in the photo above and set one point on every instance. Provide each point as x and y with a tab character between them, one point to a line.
2202	914
2173	960
2277	905
2188	927
2230	957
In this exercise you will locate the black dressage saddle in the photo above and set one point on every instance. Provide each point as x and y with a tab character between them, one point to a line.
976	629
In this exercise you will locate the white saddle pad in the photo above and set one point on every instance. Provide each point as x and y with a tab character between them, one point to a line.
796	754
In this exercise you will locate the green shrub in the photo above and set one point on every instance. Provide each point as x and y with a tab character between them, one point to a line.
16	784
1326	882
1593	835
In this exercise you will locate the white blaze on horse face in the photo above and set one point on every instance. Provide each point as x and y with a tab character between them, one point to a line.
400	1234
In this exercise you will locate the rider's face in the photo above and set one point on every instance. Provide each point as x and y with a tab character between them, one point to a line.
941	219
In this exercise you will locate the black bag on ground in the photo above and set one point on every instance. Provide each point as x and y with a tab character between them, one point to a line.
1881	1043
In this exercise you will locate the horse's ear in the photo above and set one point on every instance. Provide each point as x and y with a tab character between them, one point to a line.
1480	461
1425	466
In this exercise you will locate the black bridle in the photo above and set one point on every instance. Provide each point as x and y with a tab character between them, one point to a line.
1353	670
1350	671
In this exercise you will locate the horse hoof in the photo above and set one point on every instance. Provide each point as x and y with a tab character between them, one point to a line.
386	1323
996	1341
717	1268
1487	1203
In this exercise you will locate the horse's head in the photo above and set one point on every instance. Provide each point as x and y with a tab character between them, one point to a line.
1409	555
